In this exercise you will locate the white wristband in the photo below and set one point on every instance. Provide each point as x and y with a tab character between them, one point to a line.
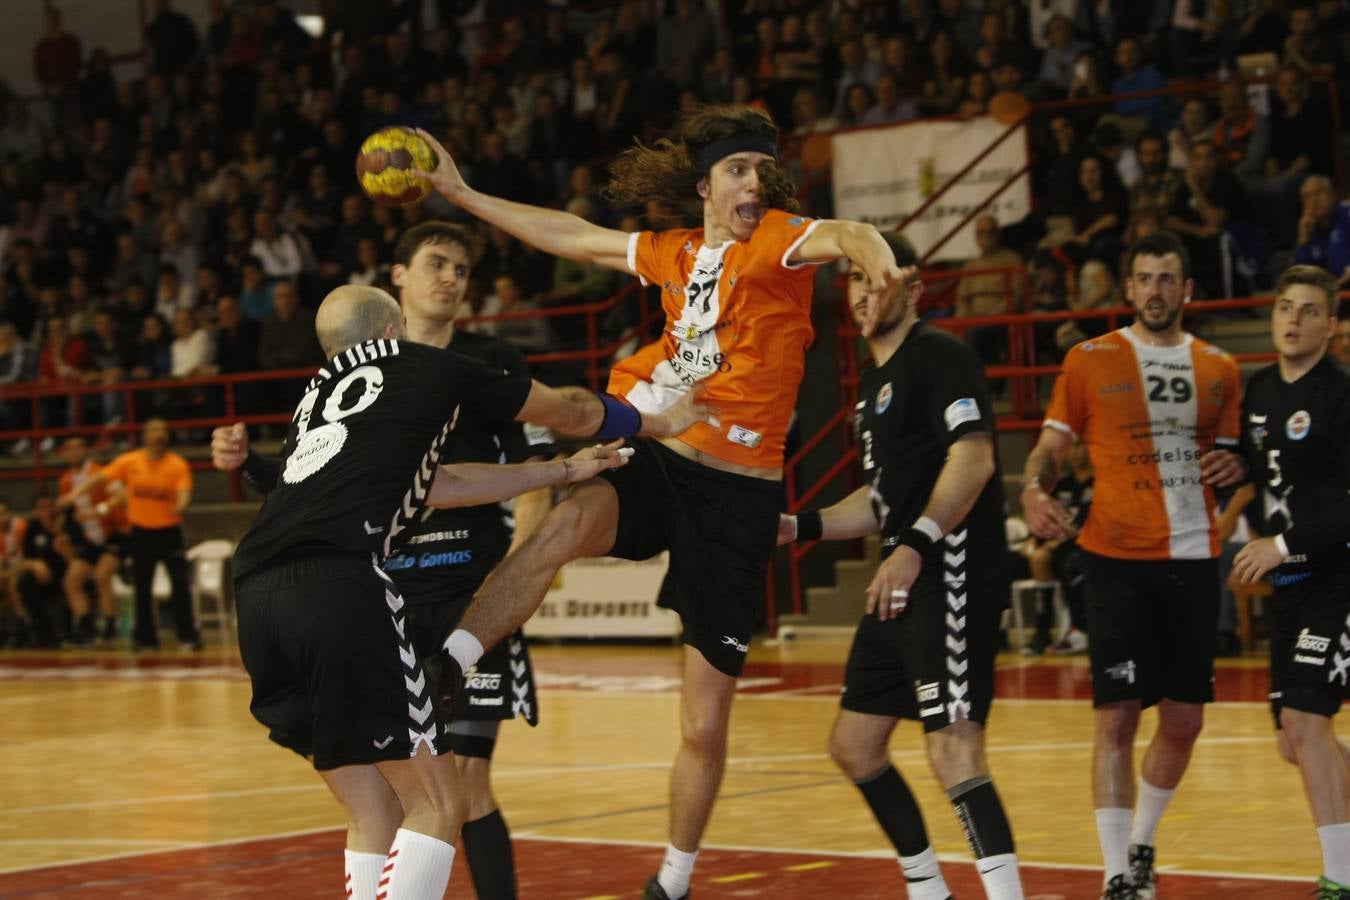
1281	546
929	527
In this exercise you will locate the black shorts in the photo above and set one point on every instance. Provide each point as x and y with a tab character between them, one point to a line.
321	635
935	663
1310	644
92	553
720	529
1152	628
500	686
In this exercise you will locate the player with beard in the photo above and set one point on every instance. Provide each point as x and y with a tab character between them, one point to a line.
1295	438
1157	409
737	297
925	647
450	551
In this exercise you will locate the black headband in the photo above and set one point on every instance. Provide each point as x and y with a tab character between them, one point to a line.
741	142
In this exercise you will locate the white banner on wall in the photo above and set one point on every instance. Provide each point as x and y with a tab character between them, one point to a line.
606	597
881	175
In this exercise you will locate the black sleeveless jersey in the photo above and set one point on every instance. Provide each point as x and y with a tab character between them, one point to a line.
910	410
1296	440
363	447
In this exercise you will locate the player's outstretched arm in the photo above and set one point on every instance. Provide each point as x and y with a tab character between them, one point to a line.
473	484
1045	516
850	518
578	411
862	245
550	230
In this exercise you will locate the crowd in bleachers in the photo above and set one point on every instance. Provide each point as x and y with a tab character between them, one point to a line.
183	215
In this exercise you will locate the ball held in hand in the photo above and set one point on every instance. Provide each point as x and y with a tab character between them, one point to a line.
385	165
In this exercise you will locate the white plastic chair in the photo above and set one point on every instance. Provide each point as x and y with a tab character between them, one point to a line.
207	560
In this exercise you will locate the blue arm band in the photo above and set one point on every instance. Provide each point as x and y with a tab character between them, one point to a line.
621	419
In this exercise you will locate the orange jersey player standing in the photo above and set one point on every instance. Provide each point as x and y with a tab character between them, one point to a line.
737	298
1159	411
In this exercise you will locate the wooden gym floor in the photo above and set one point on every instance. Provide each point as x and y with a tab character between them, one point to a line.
145	776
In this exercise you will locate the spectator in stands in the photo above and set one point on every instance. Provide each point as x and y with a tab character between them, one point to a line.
1110	146
236	338
530	334
1008	76
946	82
62	360
1299	143
855	68
1137	75
995	41
172	293
1210	198
1241	136
992	294
18	364
1095	288
191	352
131	262
1194	125
1158	183
899	59
278	251
1089	81
686	37
369	269
979	88
1062	50
57	56
1059	167
1324	229
1309	48
890	106
858	101
1100	213
287	340
111	357
961	20
170	37
153	359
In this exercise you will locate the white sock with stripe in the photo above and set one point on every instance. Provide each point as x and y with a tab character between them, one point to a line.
418	867
363	873
923	876
1001	879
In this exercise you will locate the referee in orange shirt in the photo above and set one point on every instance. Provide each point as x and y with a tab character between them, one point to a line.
158	487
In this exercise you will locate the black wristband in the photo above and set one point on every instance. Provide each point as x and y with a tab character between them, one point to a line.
809	526
915	539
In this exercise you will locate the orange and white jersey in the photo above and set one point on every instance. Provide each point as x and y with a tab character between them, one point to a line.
738	317
1147	414
97	528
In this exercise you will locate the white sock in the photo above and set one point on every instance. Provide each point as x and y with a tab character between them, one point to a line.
1148	810
675	871
1336	852
363	873
1113	833
923	876
1000	877
465	649
418	867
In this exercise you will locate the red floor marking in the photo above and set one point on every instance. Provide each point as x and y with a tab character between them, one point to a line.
310	865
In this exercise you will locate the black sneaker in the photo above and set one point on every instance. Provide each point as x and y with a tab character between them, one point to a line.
1141	871
653	891
82	632
1120	888
109	635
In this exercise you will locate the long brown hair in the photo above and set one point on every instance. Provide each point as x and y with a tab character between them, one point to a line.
666	171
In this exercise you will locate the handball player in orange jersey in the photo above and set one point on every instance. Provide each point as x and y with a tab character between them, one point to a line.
737	297
1158	410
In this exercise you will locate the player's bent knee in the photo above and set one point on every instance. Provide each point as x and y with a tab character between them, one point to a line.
1181	723
1299	728
855	755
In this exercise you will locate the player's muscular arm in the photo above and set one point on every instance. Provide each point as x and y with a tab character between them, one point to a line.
850	518
549	230
969	466
578	411
473	484
1046	517
863	246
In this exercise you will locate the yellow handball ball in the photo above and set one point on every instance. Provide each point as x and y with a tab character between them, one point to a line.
385	165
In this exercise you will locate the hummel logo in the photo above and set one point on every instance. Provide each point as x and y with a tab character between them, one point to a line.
369	530
732	642
380	745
